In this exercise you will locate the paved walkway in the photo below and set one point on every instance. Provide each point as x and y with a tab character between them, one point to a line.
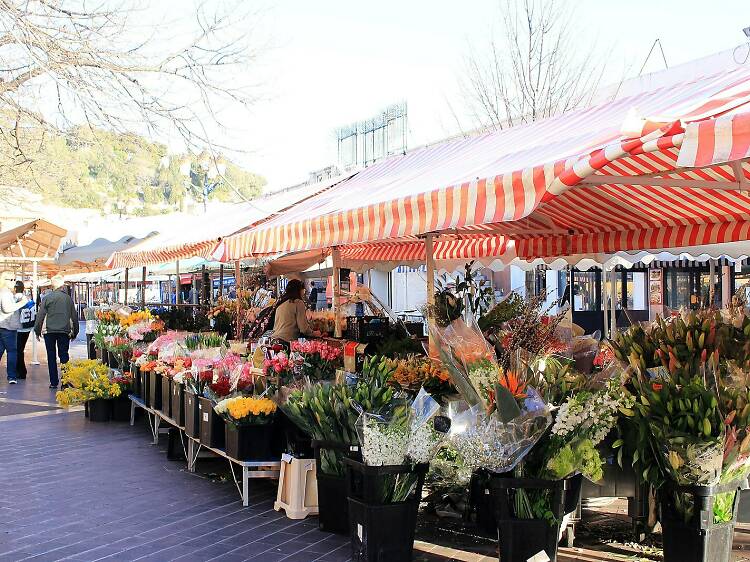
76	490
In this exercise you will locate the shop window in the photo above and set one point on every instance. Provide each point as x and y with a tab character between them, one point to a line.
586	291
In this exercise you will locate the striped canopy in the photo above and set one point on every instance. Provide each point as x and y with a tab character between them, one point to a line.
614	176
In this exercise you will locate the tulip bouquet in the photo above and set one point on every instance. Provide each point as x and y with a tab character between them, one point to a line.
279	368
329	412
318	359
690	423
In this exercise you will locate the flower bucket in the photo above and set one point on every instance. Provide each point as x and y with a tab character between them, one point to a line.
211	424
121	408
178	402
248	442
166	394
333	504
191	413
521	539
100	410
379	530
154	389
698	539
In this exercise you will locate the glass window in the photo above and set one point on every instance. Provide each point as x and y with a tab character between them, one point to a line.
677	289
585	293
636	290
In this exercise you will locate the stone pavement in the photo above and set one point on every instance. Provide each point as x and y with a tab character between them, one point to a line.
75	490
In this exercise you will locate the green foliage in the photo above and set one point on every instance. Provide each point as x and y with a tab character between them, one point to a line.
121	172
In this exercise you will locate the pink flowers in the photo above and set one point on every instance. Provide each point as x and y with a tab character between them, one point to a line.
279	365
313	347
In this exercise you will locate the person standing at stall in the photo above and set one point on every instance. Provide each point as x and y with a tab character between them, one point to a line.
26	317
313	296
61	326
290	317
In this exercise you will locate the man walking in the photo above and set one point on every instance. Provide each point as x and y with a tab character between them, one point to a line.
61	326
9	322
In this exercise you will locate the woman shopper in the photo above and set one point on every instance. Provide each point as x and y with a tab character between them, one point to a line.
62	325
9	322
27	316
290	320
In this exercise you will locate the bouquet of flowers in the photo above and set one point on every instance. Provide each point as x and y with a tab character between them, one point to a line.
318	359
689	425
222	317
399	436
246	410
416	371
329	412
85	379
279	368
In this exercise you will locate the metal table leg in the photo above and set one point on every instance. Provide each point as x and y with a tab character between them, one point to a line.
132	413
245	486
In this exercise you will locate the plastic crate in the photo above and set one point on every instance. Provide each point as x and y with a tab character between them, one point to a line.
699	539
366	329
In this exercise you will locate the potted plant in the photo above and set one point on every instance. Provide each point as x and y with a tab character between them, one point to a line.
88	381
248	428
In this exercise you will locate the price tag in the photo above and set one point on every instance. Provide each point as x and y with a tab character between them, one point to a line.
205	416
287	458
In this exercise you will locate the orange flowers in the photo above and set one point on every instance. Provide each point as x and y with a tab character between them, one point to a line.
510	380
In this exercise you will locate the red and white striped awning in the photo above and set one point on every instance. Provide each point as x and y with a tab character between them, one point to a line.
596	179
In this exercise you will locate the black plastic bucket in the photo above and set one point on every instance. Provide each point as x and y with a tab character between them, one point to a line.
249	442
100	410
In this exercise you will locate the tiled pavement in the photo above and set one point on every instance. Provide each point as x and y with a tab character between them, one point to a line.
75	490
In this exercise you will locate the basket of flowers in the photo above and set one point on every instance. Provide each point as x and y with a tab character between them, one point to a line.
248	427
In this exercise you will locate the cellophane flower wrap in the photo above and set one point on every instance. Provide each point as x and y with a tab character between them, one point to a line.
402	434
506	417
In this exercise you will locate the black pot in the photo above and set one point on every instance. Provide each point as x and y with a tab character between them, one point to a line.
191	414
248	442
166	395
121	408
382	533
178	403
380	529
333	505
520	539
154	389
211	423
699	539
100	410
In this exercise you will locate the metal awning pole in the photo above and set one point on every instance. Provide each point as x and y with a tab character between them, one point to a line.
613	305
127	283
177	282
711	282
336	291
35	296
237	286
143	288
221	280
605	308
429	252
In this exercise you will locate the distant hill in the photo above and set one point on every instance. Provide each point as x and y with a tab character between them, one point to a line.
128	174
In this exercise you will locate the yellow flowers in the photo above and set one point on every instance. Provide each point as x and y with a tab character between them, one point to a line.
87	379
675	460
136	318
240	408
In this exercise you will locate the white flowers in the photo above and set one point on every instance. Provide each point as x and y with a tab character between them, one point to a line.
384	444
591	414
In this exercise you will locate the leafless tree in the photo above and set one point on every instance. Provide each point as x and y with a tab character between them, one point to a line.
70	62
533	68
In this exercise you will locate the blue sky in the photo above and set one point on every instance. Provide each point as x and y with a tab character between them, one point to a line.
333	62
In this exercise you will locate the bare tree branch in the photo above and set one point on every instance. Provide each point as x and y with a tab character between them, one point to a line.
531	70
68	62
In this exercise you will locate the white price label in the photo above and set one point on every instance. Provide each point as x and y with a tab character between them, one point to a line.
205	417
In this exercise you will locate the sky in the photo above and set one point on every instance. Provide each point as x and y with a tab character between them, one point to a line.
333	62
